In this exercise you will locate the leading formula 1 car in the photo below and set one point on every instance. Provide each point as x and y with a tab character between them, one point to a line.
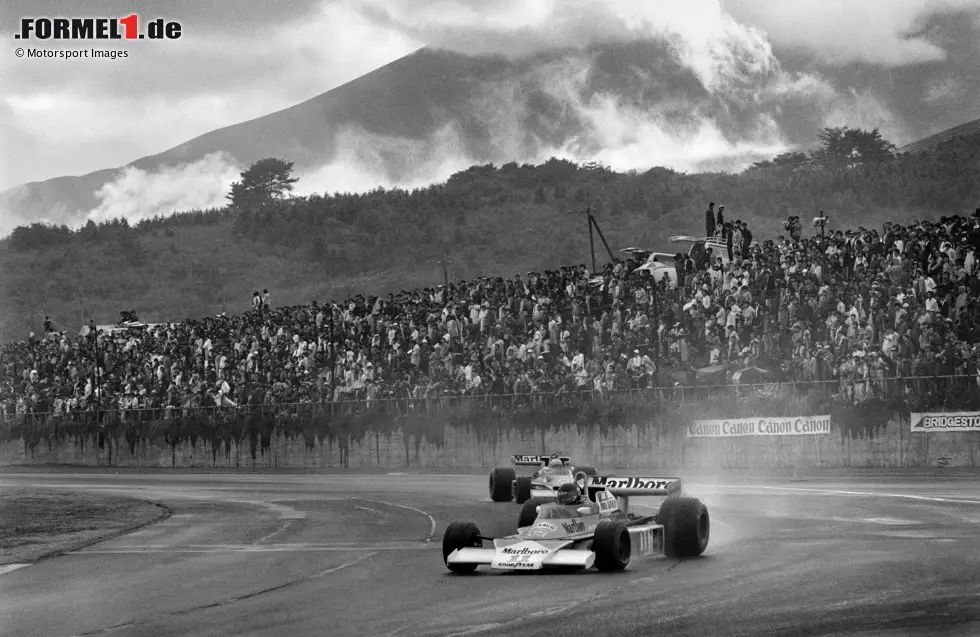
588	524
553	472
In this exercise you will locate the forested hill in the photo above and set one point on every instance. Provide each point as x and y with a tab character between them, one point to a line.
487	220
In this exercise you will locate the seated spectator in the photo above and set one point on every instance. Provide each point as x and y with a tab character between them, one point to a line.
858	308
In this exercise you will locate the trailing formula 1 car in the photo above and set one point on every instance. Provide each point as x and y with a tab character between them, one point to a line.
553	472
588	524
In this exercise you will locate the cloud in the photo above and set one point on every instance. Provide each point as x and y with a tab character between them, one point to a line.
944	88
692	84
365	161
137	194
164	93
708	98
861	109
887	32
882	32
628	119
703	34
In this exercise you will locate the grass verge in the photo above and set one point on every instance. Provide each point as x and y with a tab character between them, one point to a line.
39	523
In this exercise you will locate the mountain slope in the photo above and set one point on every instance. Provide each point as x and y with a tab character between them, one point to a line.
933	141
403	99
422	117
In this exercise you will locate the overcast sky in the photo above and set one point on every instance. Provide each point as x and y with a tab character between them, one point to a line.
241	59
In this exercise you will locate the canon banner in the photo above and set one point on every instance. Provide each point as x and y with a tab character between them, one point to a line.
788	426
946	421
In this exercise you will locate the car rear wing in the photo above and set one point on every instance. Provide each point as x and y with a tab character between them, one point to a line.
625	486
537	461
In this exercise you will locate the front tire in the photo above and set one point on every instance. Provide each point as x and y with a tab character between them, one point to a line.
501	484
687	527
613	546
460	535
523	489
529	512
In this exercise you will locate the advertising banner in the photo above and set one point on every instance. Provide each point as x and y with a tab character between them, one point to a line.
783	426
946	421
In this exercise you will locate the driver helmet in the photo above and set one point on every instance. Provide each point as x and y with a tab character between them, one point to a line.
568	494
555	464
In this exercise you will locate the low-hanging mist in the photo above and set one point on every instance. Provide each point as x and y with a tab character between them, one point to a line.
628	106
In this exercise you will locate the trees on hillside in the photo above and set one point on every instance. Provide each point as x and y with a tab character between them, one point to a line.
494	218
265	181
790	160
840	147
847	147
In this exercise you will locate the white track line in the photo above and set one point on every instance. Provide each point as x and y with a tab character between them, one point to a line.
858	494
250	548
432	520
11	567
343	566
285	525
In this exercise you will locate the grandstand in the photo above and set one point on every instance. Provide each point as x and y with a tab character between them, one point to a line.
860	307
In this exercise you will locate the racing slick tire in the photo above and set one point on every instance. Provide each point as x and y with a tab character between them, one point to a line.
523	489
501	484
686	527
529	512
589	471
612	546
460	535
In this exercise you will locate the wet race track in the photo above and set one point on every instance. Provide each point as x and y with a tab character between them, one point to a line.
361	555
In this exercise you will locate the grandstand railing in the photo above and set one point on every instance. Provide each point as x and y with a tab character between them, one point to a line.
935	393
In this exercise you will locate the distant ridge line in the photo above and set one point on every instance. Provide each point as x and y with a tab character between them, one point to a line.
932	141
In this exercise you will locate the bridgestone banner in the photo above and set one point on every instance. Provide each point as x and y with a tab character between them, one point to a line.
930	422
789	426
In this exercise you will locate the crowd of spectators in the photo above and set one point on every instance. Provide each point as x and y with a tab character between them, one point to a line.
854	306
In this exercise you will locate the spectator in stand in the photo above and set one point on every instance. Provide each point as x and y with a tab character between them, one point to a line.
709	220
863	309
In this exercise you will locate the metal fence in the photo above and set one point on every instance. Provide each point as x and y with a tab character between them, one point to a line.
937	393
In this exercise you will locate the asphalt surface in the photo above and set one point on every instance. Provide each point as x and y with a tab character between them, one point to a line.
342	555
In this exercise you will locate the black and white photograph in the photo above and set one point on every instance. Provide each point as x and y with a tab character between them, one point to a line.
463	318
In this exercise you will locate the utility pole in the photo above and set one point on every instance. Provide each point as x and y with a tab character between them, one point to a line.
590	219
445	267
445	263
822	222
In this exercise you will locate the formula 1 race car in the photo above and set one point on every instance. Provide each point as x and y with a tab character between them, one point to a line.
588	524
553	472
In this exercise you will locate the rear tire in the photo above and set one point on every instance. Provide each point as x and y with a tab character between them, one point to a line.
460	535
523	489
589	471
613	546
687	527
501	484
529	512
